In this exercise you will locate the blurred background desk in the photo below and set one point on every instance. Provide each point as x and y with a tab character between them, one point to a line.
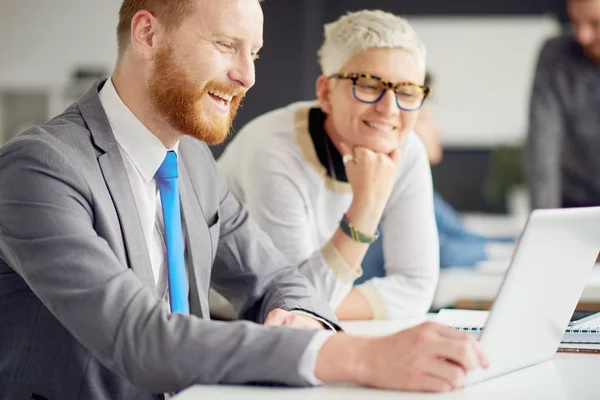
476	288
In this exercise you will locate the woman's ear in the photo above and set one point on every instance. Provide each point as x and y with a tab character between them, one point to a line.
324	93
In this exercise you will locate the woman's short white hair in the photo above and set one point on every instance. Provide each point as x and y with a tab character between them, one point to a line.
366	29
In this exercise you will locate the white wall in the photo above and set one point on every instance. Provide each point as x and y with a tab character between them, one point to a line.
483	69
42	40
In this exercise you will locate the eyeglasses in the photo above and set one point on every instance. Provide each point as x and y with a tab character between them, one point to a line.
370	89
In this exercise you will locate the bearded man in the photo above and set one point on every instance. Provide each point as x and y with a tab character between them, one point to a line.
114	223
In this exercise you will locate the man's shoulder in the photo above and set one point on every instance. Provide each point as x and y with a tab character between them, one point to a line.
66	133
561	48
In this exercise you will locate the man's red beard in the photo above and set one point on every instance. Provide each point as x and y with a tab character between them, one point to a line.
178	99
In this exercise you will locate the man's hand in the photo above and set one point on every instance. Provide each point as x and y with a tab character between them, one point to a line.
279	317
429	357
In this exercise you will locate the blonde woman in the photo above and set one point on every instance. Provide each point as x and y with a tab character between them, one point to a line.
331	178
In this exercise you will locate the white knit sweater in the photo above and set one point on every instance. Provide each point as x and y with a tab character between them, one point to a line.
272	166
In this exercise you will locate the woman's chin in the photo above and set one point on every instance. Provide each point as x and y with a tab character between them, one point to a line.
382	146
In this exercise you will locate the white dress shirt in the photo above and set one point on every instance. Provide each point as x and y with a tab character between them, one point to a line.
143	153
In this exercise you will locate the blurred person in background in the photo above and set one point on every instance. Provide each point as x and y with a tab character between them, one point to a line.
561	157
459	246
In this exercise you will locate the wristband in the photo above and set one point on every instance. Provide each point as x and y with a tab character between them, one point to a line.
356	235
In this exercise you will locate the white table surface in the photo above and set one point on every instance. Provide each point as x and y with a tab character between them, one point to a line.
566	376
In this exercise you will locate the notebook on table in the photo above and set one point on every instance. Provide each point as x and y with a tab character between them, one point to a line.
585	330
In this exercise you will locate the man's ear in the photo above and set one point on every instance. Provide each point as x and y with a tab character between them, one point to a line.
145	34
324	93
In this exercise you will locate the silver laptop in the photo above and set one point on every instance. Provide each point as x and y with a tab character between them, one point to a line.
547	274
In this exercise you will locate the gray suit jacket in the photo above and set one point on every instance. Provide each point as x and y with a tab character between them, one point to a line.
79	314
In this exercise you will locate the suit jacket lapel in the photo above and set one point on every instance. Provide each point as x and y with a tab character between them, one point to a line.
198	244
115	175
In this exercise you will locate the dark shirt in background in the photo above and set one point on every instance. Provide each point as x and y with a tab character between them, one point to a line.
562	156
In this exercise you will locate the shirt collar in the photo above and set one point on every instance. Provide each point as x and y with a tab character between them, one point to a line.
142	147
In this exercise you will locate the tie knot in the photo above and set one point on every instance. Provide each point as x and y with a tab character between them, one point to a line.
168	168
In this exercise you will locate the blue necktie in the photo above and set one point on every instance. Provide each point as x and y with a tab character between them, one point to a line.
169	196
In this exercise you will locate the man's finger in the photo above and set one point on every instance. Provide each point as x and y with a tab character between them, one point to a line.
451	333
275	318
446	371
295	322
303	321
460	352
